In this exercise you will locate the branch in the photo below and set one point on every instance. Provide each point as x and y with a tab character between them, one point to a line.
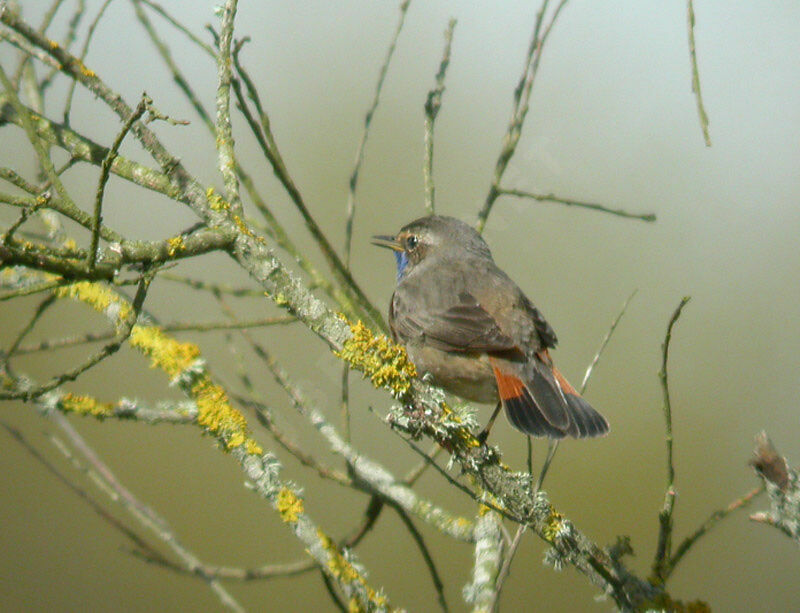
783	489
649	217
145	514
488	558
432	106
224	132
353	183
105	169
522	96
701	110
664	547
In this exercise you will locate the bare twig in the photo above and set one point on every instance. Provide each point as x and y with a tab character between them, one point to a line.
141	545
40	310
351	194
224	131
142	512
701	110
432	105
713	519
664	547
179	26
522	96
519	193
426	555
604	342
505	569
82	56
350	296
105	171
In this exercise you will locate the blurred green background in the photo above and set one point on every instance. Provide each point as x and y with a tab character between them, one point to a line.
612	120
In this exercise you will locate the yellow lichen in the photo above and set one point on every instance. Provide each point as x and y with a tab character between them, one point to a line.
215	413
384	362
215	201
219	418
85	405
165	352
342	570
175	245
289	505
96	296
553	525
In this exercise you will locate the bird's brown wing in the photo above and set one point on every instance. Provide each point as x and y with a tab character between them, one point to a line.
546	333
464	326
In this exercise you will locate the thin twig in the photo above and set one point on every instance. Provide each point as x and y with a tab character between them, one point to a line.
141	545
708	524
604	342
552	444
68	206
179	26
351	194
701	110
40	310
505	569
426	555
552	447
519	193
432	105
348	294
329	587
105	172
120	337
142	512
264	417
82	56
72	31
224	131
415	473
664	547
266	141
522	96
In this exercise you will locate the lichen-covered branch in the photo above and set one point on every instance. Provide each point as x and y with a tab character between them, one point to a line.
783	489
488	559
183	364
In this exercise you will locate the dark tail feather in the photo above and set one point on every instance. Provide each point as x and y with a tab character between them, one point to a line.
524	414
586	422
547	406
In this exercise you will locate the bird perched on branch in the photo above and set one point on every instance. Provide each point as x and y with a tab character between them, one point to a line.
464	321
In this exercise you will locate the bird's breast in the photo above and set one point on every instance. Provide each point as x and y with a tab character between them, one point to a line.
469	376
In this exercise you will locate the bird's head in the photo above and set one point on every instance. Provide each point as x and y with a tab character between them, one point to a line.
432	236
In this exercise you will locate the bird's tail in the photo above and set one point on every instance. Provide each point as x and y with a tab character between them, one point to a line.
545	404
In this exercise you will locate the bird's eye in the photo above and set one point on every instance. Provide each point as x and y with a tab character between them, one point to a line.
411	242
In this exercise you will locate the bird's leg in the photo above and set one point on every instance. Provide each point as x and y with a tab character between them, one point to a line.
483	434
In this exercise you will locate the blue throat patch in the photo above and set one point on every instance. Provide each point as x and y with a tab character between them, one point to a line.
402	262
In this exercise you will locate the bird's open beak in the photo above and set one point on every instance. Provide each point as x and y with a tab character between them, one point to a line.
390	242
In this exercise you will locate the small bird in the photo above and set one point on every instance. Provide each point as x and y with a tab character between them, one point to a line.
468	325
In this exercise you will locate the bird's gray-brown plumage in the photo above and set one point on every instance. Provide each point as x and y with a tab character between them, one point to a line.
464	321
